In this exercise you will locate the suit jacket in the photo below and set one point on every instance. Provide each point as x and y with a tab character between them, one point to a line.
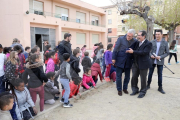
123	59
141	55
163	51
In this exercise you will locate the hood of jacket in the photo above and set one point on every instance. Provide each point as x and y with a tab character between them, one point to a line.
34	65
95	66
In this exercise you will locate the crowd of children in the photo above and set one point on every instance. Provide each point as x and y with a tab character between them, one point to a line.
22	77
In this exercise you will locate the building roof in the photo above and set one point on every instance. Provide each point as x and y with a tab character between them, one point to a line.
109	6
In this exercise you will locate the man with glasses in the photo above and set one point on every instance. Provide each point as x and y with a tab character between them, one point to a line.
141	63
122	60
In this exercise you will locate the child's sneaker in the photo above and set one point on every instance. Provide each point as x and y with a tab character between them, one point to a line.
169	63
106	79
67	105
62	100
177	62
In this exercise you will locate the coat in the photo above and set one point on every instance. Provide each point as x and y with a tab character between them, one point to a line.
123	59
64	47
163	51
50	91
50	65
11	71
141	55
86	62
5	115
74	90
87	79
96	70
74	62
21	62
36	75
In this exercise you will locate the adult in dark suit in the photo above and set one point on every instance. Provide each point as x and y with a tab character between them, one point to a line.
141	63
123	60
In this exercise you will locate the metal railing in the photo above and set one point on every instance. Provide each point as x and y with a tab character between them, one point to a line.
63	18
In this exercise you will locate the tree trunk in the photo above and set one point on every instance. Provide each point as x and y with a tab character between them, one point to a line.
171	35
150	27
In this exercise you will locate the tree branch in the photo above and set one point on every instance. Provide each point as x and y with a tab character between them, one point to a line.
131	12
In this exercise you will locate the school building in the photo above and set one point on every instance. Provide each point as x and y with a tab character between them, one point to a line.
35	21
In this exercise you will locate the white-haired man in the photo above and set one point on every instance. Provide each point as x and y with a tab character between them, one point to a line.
122	60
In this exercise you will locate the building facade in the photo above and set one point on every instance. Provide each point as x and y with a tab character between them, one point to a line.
35	21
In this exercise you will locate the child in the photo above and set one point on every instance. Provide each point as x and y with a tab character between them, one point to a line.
96	70
25	108
113	73
88	82
108	61
51	91
100	53
46	56
86	62
34	69
64	79
56	59
21	60
74	87
11	72
83	50
7	51
6	104
27	51
3	59
103	64
50	64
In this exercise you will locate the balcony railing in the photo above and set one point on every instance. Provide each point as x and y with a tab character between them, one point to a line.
63	18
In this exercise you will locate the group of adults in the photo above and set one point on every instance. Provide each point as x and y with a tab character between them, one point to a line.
139	55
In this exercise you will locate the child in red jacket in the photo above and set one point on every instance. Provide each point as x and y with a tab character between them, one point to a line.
74	88
87	81
96	70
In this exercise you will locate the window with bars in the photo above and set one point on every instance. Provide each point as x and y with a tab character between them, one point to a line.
109	30
36	7
80	17
95	20
62	13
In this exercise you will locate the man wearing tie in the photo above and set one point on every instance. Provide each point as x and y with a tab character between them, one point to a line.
141	63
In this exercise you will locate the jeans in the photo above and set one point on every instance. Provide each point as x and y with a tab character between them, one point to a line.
2	85
103	71
159	71
65	83
90	84
170	56
40	91
119	72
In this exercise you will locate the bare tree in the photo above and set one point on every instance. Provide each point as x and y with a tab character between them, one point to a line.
137	7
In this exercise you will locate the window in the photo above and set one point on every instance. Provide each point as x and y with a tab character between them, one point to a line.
109	30
62	13
109	12
109	40
62	35
123	29
109	21
38	8
95	38
80	17
81	38
95	20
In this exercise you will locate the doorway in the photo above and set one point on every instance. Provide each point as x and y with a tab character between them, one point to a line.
38	38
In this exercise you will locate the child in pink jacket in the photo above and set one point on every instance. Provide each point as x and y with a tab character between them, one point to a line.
50	64
88	81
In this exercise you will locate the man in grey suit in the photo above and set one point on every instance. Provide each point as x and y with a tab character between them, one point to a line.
159	48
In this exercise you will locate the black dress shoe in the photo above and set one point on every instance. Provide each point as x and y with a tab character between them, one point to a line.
148	87
134	93
141	96
125	91
161	90
120	93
